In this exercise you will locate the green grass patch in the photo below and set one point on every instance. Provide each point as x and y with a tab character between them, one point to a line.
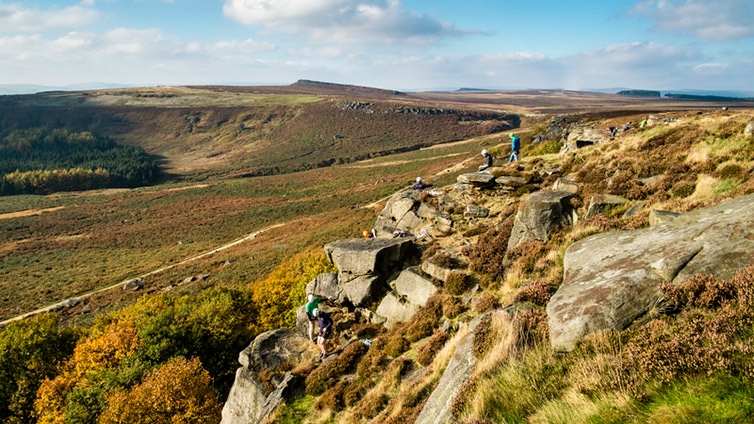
720	398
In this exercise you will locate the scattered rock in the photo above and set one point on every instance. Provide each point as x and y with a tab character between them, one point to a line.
134	284
604	203
476	179
474	211
634	210
566	183
540	215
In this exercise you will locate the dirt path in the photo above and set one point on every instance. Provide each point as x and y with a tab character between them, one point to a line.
77	299
28	212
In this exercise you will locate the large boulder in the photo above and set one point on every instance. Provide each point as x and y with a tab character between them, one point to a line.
368	256
610	279
415	287
269	351
540	215
403	212
393	309
325	285
411	290
246	399
581	137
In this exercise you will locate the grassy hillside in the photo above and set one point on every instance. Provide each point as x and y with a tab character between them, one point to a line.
212	131
224	255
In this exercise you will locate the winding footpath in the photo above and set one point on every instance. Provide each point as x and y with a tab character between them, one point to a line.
73	300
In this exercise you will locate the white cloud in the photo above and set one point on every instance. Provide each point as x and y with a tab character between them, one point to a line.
635	65
16	18
342	22
711	67
713	20
271	12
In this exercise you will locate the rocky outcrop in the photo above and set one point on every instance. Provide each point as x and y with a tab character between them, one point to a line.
268	351
610	279
540	215
357	257
566	183
659	217
325	285
581	137
411	290
364	265
403	212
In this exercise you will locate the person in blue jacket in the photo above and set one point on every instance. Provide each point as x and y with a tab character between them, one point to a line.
515	148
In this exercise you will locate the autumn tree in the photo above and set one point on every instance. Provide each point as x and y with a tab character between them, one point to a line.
30	351
178	392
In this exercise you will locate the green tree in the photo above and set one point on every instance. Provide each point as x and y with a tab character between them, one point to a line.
30	351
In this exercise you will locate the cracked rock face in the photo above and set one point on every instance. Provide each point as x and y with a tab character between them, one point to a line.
610	279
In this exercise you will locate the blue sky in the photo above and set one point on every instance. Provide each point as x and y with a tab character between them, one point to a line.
392	44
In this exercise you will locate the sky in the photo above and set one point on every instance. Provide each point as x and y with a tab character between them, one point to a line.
409	45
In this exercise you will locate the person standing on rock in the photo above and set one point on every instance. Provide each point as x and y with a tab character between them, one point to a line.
311	304
325	327
515	148
487	161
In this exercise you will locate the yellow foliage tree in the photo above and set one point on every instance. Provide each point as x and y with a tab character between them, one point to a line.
103	348
278	295
178	392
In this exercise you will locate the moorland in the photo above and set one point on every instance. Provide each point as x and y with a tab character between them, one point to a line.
256	180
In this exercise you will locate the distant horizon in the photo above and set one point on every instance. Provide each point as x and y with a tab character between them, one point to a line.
407	45
22	89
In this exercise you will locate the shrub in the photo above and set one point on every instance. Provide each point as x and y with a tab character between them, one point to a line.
456	283
452	306
537	292
426	352
333	398
486	302
396	345
488	254
30	351
325	375
423	323
482	337
526	255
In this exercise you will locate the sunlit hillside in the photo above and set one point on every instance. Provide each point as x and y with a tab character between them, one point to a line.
257	181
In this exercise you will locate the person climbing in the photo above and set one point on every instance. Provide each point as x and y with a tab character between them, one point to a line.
311	304
419	184
325	327
487	161
515	148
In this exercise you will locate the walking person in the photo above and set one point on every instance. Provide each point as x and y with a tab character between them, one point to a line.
325	328
515	148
